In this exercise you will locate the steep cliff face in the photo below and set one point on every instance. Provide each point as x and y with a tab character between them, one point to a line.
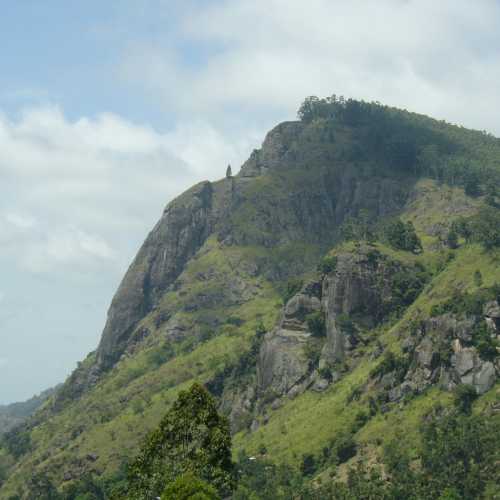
282	364
272	202
181	231
360	288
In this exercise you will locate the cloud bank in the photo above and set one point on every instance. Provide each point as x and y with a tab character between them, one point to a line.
265	56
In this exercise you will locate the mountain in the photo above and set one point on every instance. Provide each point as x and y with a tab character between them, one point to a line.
341	286
14	414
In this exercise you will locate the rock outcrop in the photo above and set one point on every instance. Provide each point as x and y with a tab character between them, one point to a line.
360	289
441	351
355	295
282	363
181	231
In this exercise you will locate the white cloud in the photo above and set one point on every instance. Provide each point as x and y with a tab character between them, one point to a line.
79	197
86	191
20	221
265	56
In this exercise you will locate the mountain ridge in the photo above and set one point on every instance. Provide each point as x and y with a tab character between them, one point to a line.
227	290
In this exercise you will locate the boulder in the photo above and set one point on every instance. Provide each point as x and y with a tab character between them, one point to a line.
484	378
463	360
492	309
427	356
281	362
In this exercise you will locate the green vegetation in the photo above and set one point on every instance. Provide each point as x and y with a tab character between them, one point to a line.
327	264
482	227
189	487
467	303
292	286
465	395
191	437
402	236
436	251
316	324
411	143
456	456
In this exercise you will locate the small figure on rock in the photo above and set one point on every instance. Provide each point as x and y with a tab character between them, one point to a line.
229	172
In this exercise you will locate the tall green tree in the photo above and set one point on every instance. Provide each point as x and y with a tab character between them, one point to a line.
192	437
402	236
485	227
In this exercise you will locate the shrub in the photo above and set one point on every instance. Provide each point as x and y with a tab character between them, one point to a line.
327	264
326	373
478	278
308	465
391	363
402	236
312	351
344	447
469	304
360	420
39	486
189	487
316	324
292	287
464	396
484	343
452	239
160	355
406	286
482	227
235	320
345	323
17	441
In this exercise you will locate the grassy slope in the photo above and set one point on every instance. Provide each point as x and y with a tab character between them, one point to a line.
307	423
110	420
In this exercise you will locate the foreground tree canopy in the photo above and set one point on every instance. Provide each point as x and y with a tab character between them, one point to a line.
191	439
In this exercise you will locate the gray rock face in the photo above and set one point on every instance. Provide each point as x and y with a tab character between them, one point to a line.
360	287
297	308
492	316
443	354
274	150
492	309
282	363
310	211
426	355
181	231
239	406
485	377
464	360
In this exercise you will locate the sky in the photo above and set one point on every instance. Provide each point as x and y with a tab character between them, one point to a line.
108	110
